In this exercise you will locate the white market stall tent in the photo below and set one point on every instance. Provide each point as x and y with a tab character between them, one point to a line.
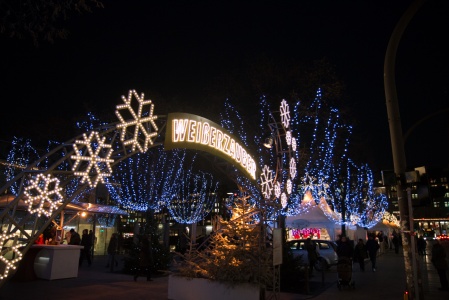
314	220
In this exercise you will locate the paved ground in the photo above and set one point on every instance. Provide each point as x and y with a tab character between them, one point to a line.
98	282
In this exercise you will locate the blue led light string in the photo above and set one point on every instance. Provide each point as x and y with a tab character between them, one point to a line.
20	155
193	196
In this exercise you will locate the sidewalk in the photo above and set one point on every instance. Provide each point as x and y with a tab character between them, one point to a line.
388	282
97	282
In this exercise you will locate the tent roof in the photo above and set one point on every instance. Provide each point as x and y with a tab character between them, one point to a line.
5	200
315	217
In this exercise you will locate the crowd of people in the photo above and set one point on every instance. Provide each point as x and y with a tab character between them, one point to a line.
370	249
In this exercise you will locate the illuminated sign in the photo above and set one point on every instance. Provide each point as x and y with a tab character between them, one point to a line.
195	132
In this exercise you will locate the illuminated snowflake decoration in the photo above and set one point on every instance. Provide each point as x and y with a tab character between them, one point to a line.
285	114
43	195
277	189
266	182
293	144
283	200
16	255
289	186
94	164
292	168
137	122
288	137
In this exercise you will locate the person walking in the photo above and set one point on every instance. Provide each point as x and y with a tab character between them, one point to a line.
422	245
312	253
112	251
360	253
440	263
372	246
145	259
86	242
93	239
396	242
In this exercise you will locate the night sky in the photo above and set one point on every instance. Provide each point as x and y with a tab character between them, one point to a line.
174	49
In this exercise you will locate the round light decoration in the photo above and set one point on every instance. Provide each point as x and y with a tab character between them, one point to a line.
288	137
284	200
293	144
43	194
292	167
277	189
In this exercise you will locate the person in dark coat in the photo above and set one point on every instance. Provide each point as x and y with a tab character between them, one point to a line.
372	246
440	263
345	248
86	242
112	251
396	242
360	253
75	238
145	259
422	245
312	253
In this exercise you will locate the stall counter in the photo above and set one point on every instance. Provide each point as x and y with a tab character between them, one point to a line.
57	261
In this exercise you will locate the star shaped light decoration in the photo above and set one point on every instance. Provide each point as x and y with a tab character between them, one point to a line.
266	181
138	121
285	113
43	195
17	256
94	165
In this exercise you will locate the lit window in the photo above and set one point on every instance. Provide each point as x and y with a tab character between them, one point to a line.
446	203
436	204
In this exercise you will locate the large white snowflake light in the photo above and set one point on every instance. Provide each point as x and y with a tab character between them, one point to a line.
266	182
94	165
285	113
43	194
137	121
6	251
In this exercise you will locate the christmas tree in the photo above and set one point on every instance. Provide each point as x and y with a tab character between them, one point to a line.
236	252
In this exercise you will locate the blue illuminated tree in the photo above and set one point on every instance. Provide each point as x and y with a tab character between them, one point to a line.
144	181
20	155
192	196
366	207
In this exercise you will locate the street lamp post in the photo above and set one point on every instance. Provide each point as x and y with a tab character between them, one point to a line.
397	145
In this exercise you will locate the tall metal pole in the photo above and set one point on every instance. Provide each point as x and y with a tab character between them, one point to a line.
397	146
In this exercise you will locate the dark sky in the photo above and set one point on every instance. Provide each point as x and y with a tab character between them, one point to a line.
174	48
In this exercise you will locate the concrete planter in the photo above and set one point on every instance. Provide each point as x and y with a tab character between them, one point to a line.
182	288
